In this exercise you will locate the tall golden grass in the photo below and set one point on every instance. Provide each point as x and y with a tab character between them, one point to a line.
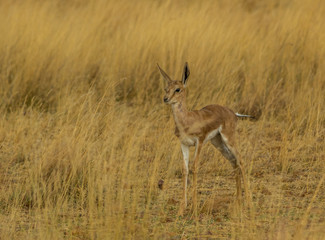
85	137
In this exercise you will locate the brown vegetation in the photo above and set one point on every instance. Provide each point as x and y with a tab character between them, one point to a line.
85	137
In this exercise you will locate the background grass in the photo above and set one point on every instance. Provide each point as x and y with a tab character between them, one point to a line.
85	137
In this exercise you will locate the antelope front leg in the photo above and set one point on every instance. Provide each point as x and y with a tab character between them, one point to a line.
196	160
186	152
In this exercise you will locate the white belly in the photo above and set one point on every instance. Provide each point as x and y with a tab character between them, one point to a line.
191	140
212	134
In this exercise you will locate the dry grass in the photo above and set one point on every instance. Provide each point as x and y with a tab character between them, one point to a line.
85	137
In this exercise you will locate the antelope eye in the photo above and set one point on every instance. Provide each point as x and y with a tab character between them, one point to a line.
178	90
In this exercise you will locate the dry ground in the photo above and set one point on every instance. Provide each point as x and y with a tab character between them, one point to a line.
85	137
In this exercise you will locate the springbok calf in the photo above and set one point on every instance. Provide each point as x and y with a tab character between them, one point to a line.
213	123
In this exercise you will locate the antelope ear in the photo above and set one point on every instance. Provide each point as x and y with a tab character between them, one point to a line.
186	73
166	77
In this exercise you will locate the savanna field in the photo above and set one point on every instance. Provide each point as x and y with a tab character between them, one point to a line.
85	137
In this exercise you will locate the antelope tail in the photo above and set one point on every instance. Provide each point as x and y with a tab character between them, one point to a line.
244	116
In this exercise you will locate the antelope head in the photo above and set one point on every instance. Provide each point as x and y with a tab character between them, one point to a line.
175	90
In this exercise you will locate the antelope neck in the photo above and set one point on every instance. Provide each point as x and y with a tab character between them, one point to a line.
180	113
